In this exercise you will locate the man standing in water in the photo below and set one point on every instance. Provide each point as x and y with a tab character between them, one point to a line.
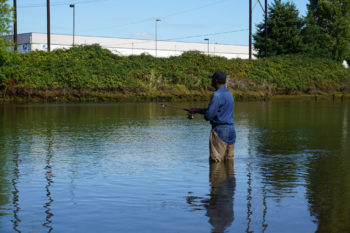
220	115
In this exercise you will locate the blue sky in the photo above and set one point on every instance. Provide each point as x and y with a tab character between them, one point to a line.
222	21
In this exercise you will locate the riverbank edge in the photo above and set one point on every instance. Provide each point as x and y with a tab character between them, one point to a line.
21	95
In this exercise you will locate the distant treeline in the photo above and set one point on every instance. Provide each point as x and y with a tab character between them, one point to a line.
94	68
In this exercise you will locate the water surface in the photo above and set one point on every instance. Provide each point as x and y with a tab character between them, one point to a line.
141	168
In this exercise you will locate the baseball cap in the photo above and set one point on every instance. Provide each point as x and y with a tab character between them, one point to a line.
219	76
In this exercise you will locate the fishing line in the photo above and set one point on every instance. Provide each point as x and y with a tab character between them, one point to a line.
189	114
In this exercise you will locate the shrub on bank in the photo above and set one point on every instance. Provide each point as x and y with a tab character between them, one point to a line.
92	67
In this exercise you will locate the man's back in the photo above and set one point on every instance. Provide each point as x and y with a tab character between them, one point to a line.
220	109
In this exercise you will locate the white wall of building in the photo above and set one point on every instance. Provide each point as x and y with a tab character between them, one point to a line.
28	42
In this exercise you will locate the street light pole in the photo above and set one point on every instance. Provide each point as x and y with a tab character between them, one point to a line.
73	6
48	26
157	20
15	25
207	39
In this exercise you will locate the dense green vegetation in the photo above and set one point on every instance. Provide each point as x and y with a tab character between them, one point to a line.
5	20
323	32
332	21
284	31
92	68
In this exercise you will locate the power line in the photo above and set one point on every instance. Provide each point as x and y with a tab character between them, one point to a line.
123	25
61	3
163	17
262	8
254	6
181	38
195	8
211	34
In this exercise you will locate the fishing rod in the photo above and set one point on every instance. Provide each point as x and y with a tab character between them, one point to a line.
189	114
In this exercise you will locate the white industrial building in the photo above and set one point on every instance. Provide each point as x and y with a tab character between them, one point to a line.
28	42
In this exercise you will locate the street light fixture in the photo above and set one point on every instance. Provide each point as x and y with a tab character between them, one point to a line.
156	34
207	39
73	6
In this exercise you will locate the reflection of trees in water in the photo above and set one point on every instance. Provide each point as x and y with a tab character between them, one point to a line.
276	142
219	206
310	146
277	161
328	180
10	139
5	184
328	192
49	179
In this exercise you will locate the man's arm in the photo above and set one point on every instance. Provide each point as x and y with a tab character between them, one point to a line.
198	110
210	112
212	108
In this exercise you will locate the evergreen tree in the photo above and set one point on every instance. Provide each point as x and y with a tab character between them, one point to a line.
283	28
314	38
327	30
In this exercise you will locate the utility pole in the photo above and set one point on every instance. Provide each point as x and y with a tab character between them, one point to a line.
48	26
250	29
265	28
250	26
15	25
73	6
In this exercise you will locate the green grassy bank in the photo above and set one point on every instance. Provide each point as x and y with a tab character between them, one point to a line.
93	74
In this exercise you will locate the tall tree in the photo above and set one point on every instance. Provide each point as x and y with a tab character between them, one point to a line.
283	29
315	38
327	28
5	20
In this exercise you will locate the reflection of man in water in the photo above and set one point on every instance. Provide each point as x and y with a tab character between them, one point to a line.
219	206
220	115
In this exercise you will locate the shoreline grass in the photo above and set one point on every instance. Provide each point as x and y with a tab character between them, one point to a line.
22	95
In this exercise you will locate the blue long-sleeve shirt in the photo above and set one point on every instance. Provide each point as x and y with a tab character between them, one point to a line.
220	115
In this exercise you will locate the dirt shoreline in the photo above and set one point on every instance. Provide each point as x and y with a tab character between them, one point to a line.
21	95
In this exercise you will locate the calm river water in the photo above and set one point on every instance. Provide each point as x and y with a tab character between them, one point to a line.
141	168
